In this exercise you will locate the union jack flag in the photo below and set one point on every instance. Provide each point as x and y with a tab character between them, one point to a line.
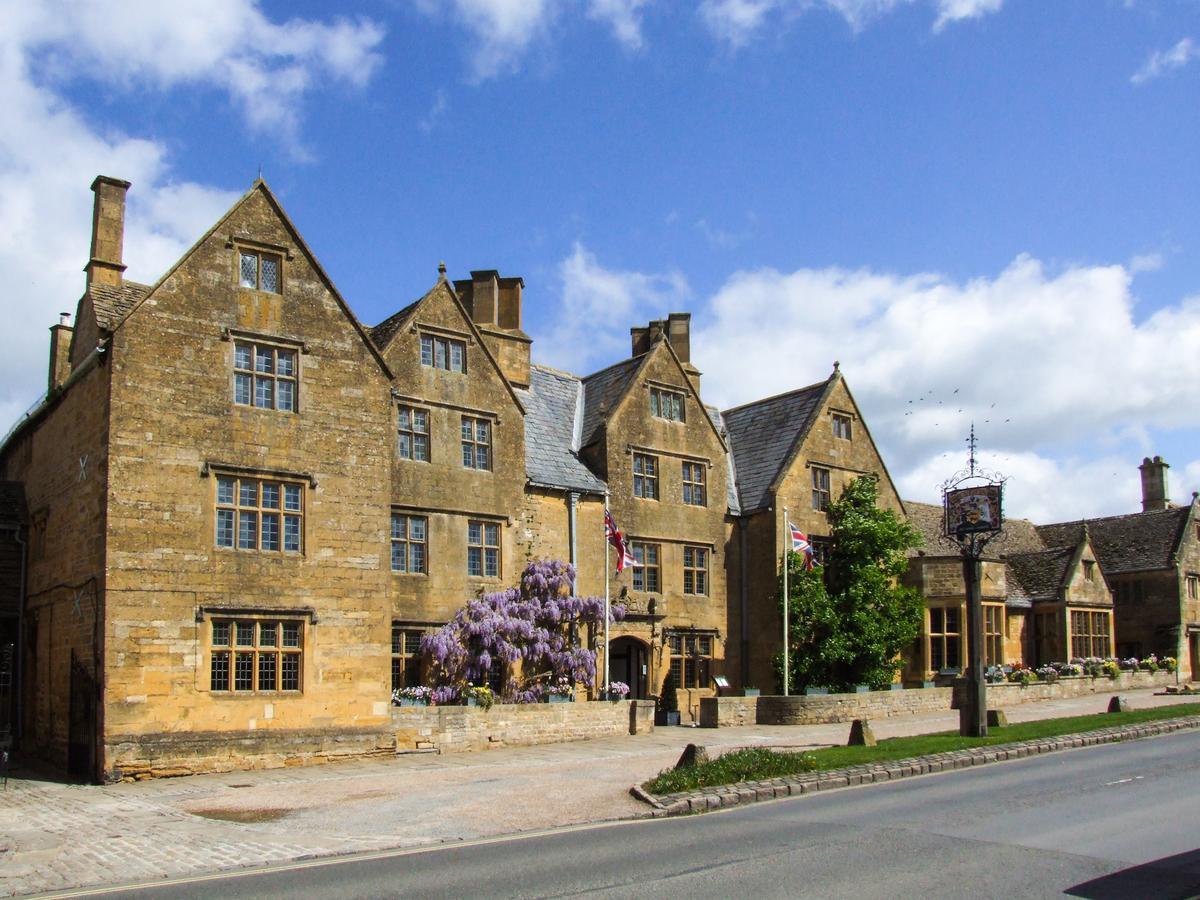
801	544
614	537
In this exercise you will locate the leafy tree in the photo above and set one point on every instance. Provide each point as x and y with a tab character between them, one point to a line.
535	625
850	620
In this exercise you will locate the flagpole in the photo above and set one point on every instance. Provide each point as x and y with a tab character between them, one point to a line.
606	600
787	600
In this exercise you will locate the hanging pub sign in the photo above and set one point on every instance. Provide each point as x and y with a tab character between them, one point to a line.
973	510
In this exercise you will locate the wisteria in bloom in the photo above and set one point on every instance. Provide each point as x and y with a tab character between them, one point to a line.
536	624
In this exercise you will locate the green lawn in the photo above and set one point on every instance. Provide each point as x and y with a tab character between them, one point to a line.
758	763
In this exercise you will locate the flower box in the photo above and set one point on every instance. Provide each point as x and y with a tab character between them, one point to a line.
750	692
662	717
405	701
816	691
862	689
895	687
559	698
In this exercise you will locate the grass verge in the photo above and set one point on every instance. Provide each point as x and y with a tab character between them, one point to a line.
758	763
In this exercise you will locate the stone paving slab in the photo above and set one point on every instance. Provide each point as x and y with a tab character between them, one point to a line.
55	836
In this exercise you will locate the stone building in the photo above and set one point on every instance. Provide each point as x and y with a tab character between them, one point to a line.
225	529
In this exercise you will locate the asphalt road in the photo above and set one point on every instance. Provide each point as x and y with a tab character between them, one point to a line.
1119	820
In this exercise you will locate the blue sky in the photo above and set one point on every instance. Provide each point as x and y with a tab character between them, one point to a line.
994	197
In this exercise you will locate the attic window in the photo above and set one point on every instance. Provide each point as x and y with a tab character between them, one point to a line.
1089	570
666	405
842	427
443	353
258	271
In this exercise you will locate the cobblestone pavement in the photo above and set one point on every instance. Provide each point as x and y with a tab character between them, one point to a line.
56	836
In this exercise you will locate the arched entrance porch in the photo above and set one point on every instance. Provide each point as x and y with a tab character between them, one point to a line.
628	661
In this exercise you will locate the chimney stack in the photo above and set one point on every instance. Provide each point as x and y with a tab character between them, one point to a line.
60	352
105	264
494	304
1154	484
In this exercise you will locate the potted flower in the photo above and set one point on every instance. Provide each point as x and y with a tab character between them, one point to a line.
417	695
617	690
481	696
562	691
666	709
750	692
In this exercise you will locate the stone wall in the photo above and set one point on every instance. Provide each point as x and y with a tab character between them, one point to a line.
722	712
450	729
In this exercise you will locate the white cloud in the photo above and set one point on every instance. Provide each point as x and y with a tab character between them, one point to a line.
51	150
737	22
1146	262
502	30
950	11
623	16
1065	388
598	307
1163	61
437	112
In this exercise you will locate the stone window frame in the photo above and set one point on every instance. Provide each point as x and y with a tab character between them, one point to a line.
822	549
645	476
1091	632
414	550
1089	570
407	659
822	491
406	427
232	509
691	656
695	570
1193	587
484	543
667	404
695	490
842	425
262	255
993	634
947	636
441	352
254	376
647	566
225	646
476	442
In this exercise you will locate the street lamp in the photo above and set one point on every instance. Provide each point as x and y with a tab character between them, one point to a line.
973	517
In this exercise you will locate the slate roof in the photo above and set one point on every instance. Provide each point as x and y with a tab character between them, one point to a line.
1040	575
12	504
385	330
551	411
1131	543
760	436
601	390
731	495
112	303
1019	535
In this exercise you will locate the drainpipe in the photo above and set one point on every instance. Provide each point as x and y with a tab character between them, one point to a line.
572	500
743	580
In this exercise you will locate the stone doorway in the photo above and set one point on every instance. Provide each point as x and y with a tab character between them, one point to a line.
629	662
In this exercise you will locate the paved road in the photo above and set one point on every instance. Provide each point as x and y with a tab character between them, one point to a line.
1114	821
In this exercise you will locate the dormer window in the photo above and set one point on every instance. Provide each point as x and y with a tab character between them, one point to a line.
443	353
666	405
258	271
842	426
1089	570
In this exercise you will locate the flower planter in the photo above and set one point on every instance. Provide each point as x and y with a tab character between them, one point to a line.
862	689
559	698
816	691
895	687
928	684
666	718
750	692
471	701
405	701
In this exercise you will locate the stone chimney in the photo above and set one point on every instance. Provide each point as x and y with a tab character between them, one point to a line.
60	352
1154	484
676	329
494	304
108	232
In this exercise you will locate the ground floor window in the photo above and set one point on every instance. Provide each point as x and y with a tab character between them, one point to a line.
1090	634
691	658
256	655
406	656
945	637
993	635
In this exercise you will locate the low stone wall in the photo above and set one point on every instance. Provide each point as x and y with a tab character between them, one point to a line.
457	728
722	712
135	757
1000	696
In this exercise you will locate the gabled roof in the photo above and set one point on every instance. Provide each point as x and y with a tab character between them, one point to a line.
553	404
12	504
1131	543
112	303
1043	575
762	437
602	391
1018	536
383	333
731	495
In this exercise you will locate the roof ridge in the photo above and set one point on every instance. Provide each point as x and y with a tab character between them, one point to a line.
553	371
793	392
621	362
